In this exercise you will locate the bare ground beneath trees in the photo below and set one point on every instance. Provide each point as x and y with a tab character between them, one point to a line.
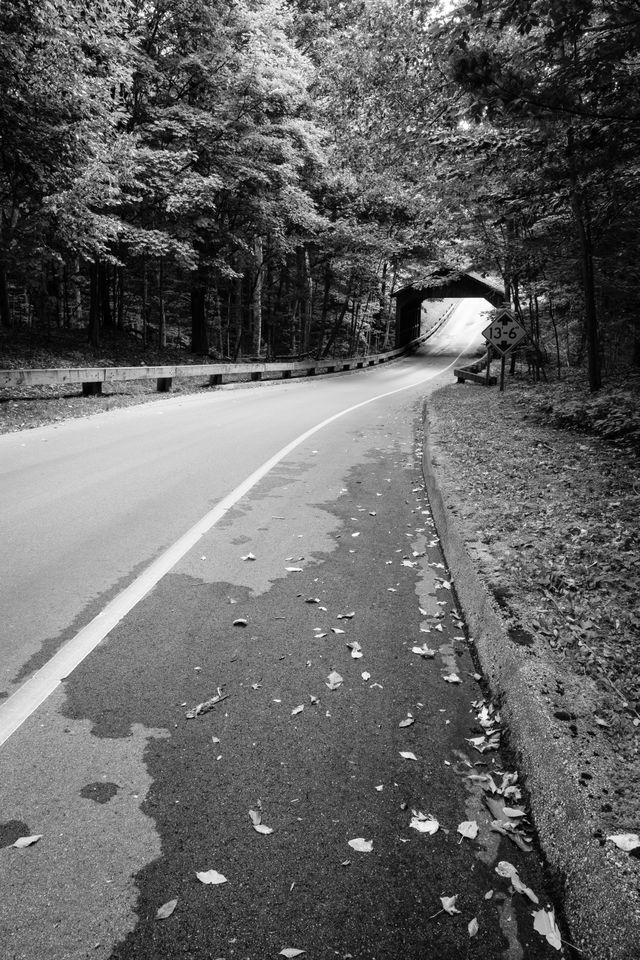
548	521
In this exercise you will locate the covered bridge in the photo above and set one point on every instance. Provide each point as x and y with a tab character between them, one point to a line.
442	284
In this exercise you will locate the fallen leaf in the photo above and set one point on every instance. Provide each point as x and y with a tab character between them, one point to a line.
361	845
166	909
312	600
336	630
408	755
256	817
624	841
240	622
423	651
509	872
27	841
514	812
449	904
346	616
298	709
249	556
294	569
544	922
452	677
468	829
261	828
423	823
488	895
210	876
522	888
206	705
290	952
366	675
406	722
472	927
356	650
334	679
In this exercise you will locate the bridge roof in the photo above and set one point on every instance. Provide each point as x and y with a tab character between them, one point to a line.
445	283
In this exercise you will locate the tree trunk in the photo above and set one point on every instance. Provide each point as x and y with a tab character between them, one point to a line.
199	332
120	299
145	302
256	298
580	207
325	308
5	307
162	319
590	312
338	323
94	306
105	299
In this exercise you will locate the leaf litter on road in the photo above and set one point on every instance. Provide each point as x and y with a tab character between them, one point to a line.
27	841
509	872
206	705
211	877
334	680
424	651
361	845
424	823
257	824
448	906
166	909
544	922
468	829
625	841
290	952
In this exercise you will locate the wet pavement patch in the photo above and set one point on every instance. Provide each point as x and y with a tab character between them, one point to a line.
11	830
100	791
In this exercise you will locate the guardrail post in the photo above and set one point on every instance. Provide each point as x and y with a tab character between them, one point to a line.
286	374
164	384
256	375
215	380
312	371
92	388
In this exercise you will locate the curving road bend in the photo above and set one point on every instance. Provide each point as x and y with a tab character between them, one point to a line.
312	553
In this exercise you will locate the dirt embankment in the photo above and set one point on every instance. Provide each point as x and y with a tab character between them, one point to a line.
545	520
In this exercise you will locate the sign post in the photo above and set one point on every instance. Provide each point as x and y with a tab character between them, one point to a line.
503	334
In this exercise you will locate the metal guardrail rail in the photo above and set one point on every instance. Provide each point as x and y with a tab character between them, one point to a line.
92	378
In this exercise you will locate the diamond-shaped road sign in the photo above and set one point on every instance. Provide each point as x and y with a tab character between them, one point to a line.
504	332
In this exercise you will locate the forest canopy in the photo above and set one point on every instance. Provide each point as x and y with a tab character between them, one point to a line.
257	177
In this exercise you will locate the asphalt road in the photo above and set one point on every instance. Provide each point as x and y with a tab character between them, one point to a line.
309	531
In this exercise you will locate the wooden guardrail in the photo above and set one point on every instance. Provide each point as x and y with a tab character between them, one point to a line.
92	378
474	373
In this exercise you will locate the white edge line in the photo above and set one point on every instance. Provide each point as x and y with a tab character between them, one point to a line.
33	692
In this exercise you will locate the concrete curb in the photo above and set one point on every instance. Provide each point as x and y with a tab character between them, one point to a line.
597	885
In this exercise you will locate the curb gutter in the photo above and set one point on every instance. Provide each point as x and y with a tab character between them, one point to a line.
598	885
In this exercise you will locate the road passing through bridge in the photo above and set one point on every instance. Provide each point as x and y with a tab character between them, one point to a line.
261	744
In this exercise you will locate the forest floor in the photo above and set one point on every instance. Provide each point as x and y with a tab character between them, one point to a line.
544	484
